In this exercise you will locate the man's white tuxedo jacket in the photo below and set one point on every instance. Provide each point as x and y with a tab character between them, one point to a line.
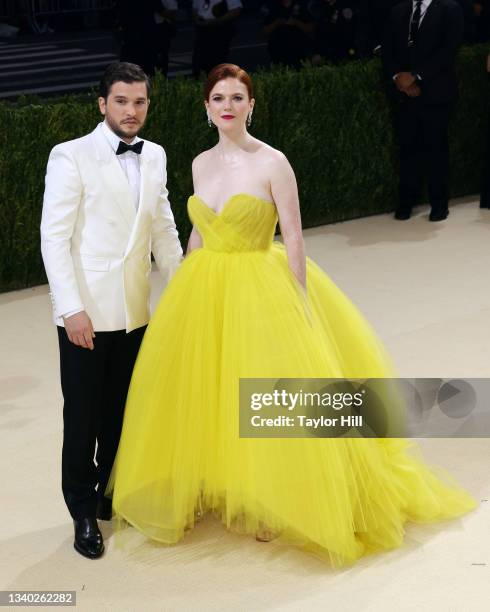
95	245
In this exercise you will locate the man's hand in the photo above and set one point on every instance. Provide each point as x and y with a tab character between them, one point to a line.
79	330
404	80
413	91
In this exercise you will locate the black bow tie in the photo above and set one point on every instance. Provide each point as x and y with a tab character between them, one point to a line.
123	147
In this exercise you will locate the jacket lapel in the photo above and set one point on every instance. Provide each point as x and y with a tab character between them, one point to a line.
429	14
147	179
404	23
149	189
114	176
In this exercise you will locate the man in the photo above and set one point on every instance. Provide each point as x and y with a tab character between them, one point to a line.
419	53
105	208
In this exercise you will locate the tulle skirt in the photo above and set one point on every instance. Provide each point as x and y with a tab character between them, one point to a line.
231	315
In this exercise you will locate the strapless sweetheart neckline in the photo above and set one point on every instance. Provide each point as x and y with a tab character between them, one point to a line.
230	199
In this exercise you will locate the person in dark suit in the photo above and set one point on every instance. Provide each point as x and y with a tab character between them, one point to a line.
419	51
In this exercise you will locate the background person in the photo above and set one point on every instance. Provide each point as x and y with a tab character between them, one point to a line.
419	55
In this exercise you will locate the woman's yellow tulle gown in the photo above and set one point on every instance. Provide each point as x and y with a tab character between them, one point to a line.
234	310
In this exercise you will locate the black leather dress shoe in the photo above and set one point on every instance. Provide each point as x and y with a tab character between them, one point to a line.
402	214
88	539
104	509
438	215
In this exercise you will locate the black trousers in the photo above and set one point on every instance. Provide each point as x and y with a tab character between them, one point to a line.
95	385
422	132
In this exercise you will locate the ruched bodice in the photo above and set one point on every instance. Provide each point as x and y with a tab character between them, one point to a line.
246	223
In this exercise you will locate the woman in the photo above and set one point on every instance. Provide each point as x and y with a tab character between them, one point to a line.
242	305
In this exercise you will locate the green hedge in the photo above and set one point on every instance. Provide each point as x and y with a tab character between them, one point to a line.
333	123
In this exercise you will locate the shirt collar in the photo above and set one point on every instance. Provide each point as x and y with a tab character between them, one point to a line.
114	139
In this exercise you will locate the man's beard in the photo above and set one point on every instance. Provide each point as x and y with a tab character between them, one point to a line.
119	131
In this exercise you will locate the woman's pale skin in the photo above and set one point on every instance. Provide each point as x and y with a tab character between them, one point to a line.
241	164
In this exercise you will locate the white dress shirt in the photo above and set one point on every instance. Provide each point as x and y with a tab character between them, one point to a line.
129	161
130	164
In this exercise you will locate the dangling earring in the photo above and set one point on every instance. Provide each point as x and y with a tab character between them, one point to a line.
249	119
210	123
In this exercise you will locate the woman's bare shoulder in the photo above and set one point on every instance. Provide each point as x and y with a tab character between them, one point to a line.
271	157
269	153
202	159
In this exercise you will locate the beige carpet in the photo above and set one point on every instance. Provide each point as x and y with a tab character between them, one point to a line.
426	289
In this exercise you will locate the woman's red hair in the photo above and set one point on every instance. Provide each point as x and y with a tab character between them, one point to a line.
226	71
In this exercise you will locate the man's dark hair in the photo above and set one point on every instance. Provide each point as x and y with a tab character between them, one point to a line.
125	72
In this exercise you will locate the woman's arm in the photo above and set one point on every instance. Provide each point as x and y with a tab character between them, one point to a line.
285	193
